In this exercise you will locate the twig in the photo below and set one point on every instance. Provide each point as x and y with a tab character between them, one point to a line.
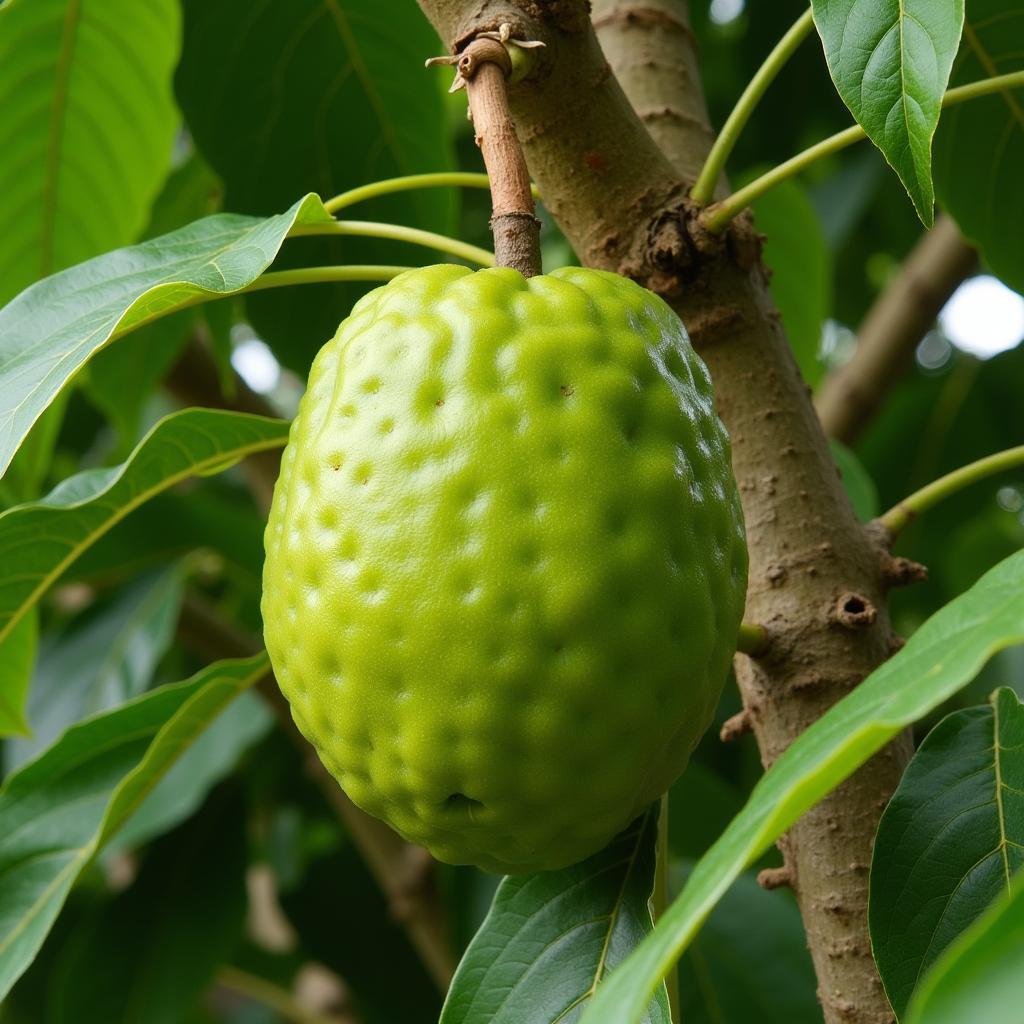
484	65
892	329
275	997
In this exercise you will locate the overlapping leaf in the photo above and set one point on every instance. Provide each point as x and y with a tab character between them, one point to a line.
949	842
551	937
890	61
87	120
39	541
51	330
58	811
940	658
981	976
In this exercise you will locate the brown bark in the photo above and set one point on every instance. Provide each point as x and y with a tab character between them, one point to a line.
892	329
623	206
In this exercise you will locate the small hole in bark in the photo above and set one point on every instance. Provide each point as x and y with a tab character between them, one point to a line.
852	611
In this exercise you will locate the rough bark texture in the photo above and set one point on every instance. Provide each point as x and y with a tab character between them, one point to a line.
894	325
816	577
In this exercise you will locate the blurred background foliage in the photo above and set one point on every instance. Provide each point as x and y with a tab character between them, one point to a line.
271	101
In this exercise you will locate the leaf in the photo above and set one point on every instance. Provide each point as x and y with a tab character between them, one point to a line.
859	487
801	264
17	656
981	976
949	841
940	658
59	810
320	95
39	541
50	331
890	61
551	937
148	954
979	148
87	120
101	662
210	759
749	962
121	378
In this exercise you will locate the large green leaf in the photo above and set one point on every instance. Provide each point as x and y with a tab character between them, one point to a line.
39	541
321	95
87	120
551	937
749	963
147	955
100	661
981	976
50	331
979	148
801	264
58	811
890	61
949	842
940	658
17	656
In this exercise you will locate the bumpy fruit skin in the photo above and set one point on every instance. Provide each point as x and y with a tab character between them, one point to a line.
505	561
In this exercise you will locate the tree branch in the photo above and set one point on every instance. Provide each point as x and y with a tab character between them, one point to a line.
892	329
623	206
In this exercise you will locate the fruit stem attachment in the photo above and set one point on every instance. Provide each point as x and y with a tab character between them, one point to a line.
704	189
752	639
920	501
411	183
485	65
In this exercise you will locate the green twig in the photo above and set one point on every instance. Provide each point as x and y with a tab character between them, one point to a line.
920	501
704	188
270	995
276	279
716	217
399	233
752	639
410	182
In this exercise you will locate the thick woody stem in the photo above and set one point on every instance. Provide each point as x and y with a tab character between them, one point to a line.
892	329
485	64
623	206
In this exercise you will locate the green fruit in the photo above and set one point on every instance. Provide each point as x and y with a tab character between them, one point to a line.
505	561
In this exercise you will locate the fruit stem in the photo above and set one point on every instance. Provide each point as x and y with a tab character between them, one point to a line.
717	216
411	182
752	639
704	188
660	900
484	65
920	501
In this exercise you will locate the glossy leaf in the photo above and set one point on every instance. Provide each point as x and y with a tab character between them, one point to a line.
749	962
59	810
949	842
148	954
981	976
49	332
940	658
99	662
17	656
84	507
800	260
283	98
87	120
212	757
551	937
979	148
890	61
